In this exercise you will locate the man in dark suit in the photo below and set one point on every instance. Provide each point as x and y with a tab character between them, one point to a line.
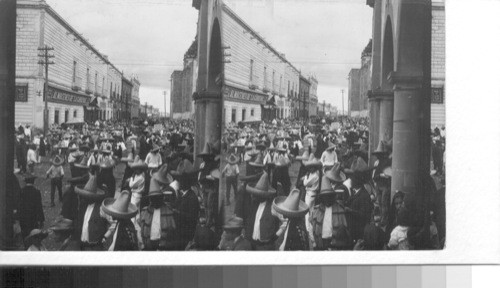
358	207
187	204
30	207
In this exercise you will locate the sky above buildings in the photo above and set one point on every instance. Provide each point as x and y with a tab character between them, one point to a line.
148	38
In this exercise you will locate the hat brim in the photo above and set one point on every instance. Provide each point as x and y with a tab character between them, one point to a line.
256	164
261	193
250	177
78	180
108	209
78	165
162	179
278	206
57	163
142	166
230	227
232	161
98	195
338	178
42	235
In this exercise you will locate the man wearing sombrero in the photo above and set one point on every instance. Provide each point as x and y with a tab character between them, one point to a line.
157	220
187	205
231	171
232	239
92	229
121	210
106	175
261	226
295	237
329	213
56	174
359	205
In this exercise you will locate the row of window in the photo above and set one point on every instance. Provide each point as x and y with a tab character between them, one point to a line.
274	84
114	93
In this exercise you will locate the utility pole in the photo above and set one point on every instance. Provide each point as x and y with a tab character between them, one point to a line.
342	101
165	102
45	61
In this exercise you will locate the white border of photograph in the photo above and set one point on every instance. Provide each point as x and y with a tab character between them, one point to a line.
472	159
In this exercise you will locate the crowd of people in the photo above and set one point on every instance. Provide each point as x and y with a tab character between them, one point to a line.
169	198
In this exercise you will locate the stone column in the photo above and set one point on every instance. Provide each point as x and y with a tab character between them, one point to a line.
7	108
410	158
374	106
386	100
374	102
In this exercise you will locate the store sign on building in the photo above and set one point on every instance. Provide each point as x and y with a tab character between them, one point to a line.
231	93
22	93
61	96
437	96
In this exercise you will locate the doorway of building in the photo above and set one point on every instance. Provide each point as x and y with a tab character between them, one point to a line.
66	116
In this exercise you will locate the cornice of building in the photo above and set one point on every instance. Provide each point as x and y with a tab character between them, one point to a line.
46	7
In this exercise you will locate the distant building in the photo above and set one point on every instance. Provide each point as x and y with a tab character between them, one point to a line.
360	84
304	87
353	96
135	102
313	96
126	99
184	85
176	93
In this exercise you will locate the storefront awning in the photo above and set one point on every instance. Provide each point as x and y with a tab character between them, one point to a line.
93	102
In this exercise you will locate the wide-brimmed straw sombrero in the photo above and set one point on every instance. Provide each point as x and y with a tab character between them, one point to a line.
313	163
290	206
129	158
207	151
120	208
162	175
155	148
90	190
232	159
304	157
79	180
262	188
235	223
382	149
326	186
57	161
184	169
157	190
35	234
250	178
335	174
138	164
358	166
259	161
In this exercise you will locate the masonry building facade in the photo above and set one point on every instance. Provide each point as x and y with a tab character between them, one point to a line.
82	82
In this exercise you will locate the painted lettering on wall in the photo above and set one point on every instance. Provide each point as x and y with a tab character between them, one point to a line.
61	96
232	93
